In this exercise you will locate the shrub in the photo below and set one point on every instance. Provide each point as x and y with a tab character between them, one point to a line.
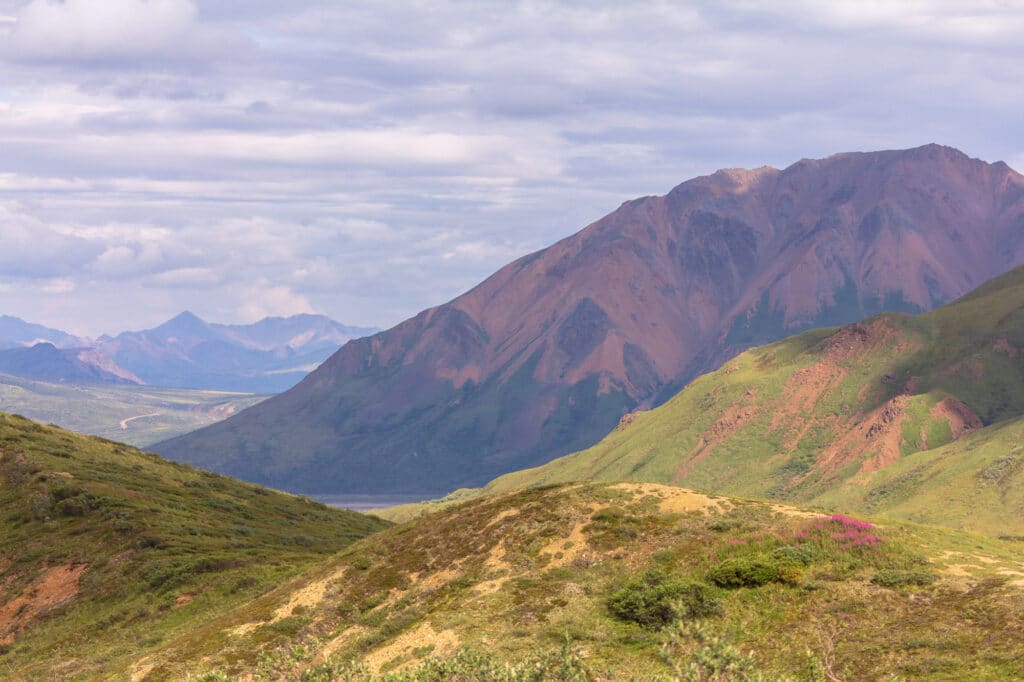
804	555
892	577
752	572
722	525
657	599
696	654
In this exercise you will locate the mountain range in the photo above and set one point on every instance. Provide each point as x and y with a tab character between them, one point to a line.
547	355
268	356
917	417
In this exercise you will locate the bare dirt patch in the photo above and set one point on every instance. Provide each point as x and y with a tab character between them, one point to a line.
309	596
54	587
507	513
961	418
732	420
444	642
673	499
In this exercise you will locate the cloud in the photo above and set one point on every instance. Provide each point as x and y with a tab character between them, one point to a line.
110	30
371	159
33	250
278	301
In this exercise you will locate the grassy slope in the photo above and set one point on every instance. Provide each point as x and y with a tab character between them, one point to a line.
100	409
516	574
155	547
794	420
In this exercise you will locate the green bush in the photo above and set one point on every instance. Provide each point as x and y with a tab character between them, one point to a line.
657	599
752	572
803	555
891	577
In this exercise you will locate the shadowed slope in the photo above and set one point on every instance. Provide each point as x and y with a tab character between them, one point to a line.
546	355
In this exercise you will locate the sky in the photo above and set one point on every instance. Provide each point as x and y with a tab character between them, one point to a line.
367	160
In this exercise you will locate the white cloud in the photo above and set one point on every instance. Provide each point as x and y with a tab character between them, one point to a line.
111	29
57	287
264	301
371	159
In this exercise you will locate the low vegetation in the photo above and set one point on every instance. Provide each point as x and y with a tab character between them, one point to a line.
634	581
106	551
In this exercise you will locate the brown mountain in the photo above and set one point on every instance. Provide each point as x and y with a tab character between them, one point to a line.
546	355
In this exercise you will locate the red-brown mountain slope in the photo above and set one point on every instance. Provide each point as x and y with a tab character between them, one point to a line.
546	355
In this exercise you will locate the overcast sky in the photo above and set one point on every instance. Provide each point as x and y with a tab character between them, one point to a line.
243	158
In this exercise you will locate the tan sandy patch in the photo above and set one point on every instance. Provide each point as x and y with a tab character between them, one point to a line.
675	500
56	586
793	511
502	516
564	550
141	671
309	596
439	579
338	642
445	642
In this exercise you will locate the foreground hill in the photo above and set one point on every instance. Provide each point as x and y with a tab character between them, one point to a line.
268	356
106	551
590	582
545	356
916	415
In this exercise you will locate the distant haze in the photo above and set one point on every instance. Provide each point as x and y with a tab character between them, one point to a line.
366	160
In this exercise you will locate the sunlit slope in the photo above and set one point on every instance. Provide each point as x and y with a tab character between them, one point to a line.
590	582
914	415
106	551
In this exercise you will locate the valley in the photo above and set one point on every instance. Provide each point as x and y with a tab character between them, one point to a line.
133	414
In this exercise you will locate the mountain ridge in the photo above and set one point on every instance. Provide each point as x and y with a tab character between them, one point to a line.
546	355
919	415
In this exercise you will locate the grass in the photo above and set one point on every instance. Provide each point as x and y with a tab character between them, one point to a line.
628	586
846	418
160	546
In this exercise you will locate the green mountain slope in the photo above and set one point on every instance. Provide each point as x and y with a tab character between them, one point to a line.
917	416
106	551
590	581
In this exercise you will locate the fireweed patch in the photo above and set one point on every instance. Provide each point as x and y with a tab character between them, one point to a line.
838	532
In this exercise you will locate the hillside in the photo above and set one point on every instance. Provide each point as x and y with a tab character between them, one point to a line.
545	356
106	551
913	415
587	582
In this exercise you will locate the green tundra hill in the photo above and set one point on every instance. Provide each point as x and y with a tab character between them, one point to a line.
628	581
917	417
107	551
